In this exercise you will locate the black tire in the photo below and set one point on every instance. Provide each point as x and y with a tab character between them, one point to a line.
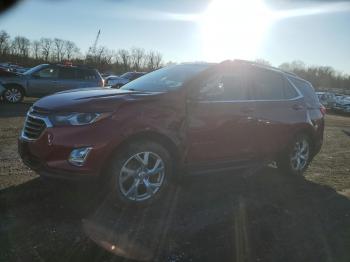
120	160
13	94
287	162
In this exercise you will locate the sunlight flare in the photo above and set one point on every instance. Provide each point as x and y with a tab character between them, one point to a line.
234	29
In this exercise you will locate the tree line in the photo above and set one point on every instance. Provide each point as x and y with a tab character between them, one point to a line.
321	77
28	53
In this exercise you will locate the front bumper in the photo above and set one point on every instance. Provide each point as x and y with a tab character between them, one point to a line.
49	154
55	168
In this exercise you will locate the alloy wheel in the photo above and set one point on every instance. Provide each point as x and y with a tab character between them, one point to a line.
300	154
13	95
141	176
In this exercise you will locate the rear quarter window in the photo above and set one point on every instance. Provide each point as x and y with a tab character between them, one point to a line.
307	91
289	90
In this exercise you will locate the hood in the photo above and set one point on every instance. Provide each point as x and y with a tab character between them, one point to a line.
90	100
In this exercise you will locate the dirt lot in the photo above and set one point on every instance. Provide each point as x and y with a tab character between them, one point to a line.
254	216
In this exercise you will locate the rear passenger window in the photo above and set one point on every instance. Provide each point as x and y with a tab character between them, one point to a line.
223	87
307	91
66	73
266	84
86	74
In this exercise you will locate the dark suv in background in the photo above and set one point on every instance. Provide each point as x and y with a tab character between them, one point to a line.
188	118
47	79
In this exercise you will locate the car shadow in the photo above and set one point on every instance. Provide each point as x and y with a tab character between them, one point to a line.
15	110
261	216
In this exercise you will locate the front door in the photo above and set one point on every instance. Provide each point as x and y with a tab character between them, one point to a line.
220	122
43	82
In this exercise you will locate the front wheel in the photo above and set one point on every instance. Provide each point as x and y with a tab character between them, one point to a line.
13	94
140	174
298	156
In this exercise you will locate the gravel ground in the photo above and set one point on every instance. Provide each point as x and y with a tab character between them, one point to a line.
256	215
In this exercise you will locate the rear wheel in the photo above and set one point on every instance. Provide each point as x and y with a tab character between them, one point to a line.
297	158
140	174
13	94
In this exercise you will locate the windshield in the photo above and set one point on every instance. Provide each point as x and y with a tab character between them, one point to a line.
166	79
34	69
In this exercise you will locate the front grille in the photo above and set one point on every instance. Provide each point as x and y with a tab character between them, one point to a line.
33	127
36	122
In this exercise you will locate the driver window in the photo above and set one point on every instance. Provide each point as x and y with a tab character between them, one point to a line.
49	72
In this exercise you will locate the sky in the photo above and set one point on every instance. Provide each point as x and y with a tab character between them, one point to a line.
314	31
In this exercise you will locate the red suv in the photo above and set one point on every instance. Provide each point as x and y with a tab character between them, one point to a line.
187	118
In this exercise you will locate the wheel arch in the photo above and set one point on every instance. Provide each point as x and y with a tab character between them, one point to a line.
310	133
154	136
9	85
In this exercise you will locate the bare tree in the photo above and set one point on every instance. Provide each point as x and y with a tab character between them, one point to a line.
36	48
21	46
70	49
124	56
158	60
154	60
59	48
46	47
4	42
137	56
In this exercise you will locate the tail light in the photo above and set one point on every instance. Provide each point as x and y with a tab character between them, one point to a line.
323	110
102	83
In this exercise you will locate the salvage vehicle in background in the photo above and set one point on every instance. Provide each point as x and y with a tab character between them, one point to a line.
343	104
47	79
117	82
327	99
197	118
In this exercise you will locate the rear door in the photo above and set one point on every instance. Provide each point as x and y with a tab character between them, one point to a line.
88	78
220	118
43	82
279	108
67	79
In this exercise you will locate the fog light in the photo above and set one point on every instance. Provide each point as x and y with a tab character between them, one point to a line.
78	156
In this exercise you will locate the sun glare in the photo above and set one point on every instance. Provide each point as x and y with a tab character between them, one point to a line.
233	28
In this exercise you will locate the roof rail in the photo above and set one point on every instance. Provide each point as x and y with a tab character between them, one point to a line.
264	66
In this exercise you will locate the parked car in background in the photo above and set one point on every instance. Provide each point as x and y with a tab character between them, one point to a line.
342	104
110	77
117	82
6	73
327	99
47	79
197	118
13	68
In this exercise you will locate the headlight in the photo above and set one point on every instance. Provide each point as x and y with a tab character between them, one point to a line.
76	119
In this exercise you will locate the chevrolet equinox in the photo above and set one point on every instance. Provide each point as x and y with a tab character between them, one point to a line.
186	118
